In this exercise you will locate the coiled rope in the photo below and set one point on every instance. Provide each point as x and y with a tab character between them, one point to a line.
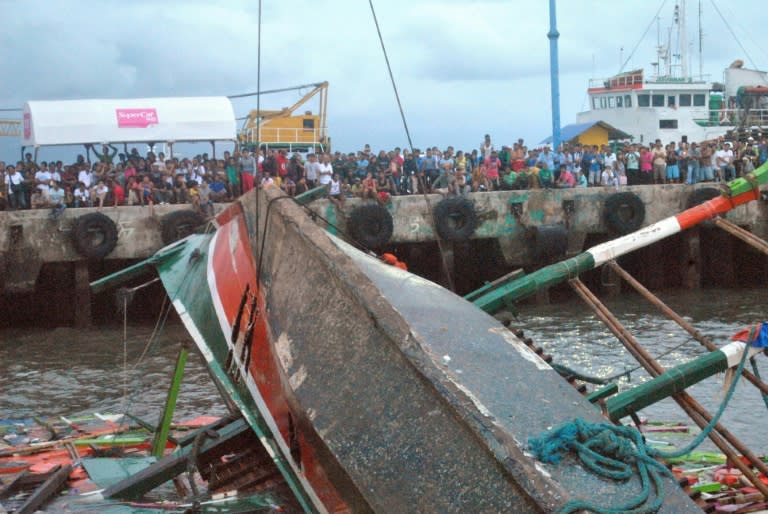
619	453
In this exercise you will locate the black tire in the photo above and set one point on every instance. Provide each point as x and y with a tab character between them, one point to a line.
179	224
455	219
95	235
624	212
548	242
702	195
371	225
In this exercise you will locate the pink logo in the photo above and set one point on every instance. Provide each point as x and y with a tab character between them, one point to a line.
136	118
27	125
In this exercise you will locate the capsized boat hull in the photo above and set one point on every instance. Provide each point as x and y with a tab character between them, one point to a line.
383	391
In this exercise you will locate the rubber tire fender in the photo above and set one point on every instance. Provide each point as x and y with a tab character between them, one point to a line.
179	224
702	195
548	242
455	219
94	235
371	225
624	212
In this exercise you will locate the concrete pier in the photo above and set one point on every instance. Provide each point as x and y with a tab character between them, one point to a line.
38	256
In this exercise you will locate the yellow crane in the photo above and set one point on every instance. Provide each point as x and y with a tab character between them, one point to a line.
284	129
10	128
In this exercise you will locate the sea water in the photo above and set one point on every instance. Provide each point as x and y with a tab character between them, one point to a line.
107	369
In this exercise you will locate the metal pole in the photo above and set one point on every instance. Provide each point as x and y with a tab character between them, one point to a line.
554	75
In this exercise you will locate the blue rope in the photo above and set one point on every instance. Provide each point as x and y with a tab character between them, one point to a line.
619	452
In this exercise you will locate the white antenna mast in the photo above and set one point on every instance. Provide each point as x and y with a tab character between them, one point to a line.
701	42
683	40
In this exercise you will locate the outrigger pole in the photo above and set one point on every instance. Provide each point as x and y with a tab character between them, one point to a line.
736	192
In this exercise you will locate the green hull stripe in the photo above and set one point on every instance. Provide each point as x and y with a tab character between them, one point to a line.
184	275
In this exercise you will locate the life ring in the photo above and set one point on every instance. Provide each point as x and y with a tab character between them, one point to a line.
548	242
95	235
455	219
179	224
624	212
371	225
702	195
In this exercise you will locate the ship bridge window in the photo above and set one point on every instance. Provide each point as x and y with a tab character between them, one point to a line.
627	100
643	100
603	103
308	123
611	102
657	100
619	101
685	100
699	100
667	124
594	103
671	101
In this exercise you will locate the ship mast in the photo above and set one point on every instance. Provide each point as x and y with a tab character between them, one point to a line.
682	38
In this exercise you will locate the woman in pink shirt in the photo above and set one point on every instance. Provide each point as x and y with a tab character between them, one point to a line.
646	165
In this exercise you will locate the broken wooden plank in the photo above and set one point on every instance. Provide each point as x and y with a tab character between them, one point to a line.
172	465
46	491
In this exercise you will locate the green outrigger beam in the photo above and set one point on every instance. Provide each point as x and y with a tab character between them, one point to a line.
676	380
311	195
501	296
164	427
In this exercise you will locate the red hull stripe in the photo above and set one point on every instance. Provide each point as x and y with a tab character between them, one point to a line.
231	267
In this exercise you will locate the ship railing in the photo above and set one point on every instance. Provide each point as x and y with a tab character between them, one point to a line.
734	117
284	136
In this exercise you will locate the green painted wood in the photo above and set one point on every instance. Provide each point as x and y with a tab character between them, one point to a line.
139	269
505	295
164	427
311	195
603	392
743	185
673	381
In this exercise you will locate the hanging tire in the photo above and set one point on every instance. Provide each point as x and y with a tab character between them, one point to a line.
702	195
95	235
548	242
624	212
179	224
455	219
371	225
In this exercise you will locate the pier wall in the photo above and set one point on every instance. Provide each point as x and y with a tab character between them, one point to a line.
509	216
40	267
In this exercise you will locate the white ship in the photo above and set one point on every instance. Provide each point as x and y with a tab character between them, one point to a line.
673	105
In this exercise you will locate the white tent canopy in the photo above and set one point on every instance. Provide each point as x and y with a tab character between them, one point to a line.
135	120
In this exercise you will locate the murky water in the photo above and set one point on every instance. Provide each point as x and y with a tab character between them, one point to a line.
66	371
578	339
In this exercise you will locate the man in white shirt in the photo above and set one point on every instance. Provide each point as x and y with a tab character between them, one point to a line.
84	176
325	170
43	178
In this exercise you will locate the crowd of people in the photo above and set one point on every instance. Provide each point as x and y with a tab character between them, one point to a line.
118	179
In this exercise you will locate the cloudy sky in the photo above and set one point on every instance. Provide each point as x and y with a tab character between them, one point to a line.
463	67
